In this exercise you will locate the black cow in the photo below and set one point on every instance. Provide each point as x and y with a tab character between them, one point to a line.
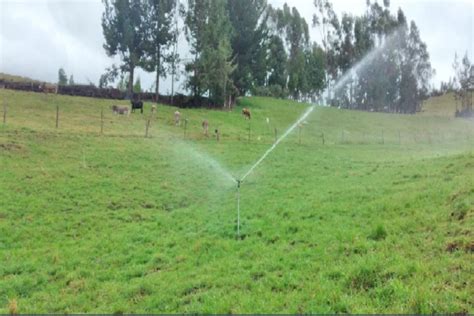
137	104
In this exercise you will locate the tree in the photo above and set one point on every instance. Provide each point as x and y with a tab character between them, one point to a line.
62	77
208	30
326	20
125	33
109	76
174	58
137	87
123	83
295	31
248	19
71	80
462	71
277	59
314	71
395	70
195	21
159	26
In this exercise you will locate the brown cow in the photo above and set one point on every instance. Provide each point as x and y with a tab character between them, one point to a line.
246	113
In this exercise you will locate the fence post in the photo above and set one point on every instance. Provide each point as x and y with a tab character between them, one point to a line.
147	127
57	116
250	129
299	134
185	127
102	121
4	113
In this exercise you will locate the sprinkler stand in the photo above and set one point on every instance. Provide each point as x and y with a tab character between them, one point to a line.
238	207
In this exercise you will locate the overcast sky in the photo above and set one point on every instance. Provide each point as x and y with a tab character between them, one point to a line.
37	37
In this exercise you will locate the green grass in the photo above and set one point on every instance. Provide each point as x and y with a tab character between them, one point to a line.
120	223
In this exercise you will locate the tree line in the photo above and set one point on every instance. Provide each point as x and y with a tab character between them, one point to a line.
248	47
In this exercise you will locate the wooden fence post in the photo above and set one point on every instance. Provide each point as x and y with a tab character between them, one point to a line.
102	121
250	129
147	127
57	116
299	134
4	113
185	127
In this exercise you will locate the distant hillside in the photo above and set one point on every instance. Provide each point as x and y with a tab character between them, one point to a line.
444	105
15	78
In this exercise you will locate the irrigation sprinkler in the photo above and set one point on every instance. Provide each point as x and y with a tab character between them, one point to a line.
238	208
259	161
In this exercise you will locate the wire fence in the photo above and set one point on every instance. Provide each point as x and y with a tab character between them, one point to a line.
102	122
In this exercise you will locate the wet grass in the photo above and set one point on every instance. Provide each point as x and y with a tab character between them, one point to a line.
118	223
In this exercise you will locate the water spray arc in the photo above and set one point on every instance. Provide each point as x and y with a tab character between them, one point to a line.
344	79
365	62
259	161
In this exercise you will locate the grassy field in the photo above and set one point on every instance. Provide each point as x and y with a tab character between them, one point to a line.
379	218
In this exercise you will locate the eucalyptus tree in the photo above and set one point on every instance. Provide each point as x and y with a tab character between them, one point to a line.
62	77
125	34
209	31
249	42
160	36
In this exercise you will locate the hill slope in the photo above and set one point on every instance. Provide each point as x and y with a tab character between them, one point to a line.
377	219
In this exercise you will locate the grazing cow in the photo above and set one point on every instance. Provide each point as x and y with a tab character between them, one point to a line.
205	127
49	88
120	109
137	104
177	118
246	113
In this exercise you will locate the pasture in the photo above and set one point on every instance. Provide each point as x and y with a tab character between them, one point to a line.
354	212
